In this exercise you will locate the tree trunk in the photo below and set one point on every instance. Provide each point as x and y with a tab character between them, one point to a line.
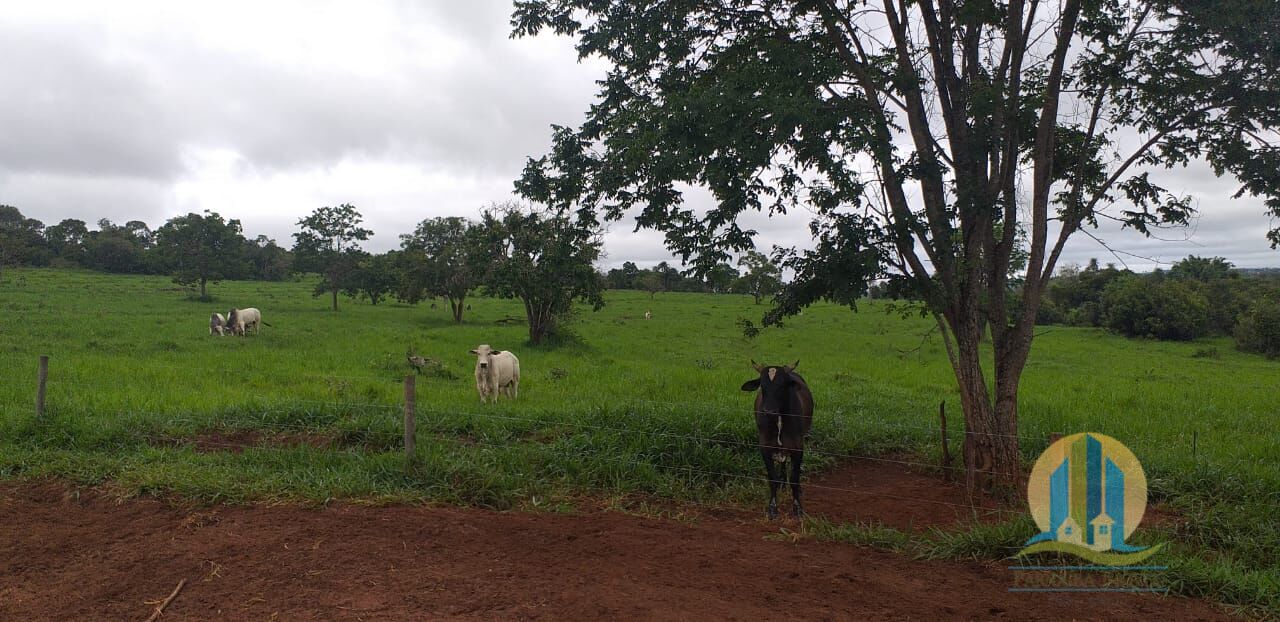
456	306
992	460
335	298
537	323
203	295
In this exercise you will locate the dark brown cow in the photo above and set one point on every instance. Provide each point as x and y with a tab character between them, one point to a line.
784	414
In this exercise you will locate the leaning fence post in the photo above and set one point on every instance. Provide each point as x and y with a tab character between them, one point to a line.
42	377
1195	438
946	452
410	419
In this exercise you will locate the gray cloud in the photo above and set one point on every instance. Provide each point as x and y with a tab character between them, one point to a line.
406	109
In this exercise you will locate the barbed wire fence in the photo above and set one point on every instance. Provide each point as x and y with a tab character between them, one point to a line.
445	424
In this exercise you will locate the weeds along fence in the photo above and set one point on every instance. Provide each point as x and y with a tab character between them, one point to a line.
726	457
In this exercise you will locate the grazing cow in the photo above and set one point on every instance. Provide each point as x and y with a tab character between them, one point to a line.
497	371
238	320
217	324
784	413
648	316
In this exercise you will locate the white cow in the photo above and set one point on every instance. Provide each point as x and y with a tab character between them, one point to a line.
238	320
217	324
497	371
648	316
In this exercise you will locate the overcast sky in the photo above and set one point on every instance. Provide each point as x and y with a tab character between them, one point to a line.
263	111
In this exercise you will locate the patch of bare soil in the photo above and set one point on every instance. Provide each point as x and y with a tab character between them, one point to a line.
886	491
80	554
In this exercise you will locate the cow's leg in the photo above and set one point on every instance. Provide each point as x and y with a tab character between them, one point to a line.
797	457
775	482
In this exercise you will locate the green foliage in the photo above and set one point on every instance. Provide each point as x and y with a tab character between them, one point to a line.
375	277
1167	309
910	148
442	257
1259	327
544	259
1165	305
21	239
328	244
762	277
199	249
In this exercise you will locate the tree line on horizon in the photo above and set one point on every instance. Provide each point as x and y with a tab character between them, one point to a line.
547	261
512	251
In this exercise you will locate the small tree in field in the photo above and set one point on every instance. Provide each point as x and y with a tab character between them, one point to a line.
198	249
442	257
651	282
329	244
544	259
924	135
374	277
762	277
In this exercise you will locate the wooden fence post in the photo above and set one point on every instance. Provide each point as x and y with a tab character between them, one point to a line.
42	377
1195	438
946	451
410	419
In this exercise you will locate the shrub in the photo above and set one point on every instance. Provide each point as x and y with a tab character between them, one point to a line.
1258	329
1164	308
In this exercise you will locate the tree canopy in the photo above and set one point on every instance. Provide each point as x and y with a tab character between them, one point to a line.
442	257
544	259
925	136
199	248
329	243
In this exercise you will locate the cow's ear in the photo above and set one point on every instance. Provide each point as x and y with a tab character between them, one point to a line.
751	385
496	352
474	352
794	365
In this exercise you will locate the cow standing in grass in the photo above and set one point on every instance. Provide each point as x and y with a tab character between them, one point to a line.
784	414
497	372
217	324
239	320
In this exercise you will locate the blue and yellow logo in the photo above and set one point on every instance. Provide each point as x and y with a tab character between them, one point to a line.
1087	494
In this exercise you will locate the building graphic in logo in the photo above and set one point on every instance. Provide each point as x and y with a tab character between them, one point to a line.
1087	495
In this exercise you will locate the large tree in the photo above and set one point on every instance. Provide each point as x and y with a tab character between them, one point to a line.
197	249
543	258
22	239
67	239
924	135
329	244
442	257
763	277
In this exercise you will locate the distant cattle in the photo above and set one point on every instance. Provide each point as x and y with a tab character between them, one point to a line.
497	372
784	414
648	316
217	324
240	320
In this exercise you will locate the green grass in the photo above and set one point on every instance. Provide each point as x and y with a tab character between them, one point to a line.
628	406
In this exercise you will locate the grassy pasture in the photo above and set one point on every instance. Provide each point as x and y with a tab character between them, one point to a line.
629	406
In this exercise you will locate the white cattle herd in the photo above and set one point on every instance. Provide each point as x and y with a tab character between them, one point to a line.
497	371
236	322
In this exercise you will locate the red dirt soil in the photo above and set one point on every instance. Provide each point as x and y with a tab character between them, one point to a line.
81	554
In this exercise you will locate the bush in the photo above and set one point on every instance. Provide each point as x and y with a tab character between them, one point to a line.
1164	308
1258	329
